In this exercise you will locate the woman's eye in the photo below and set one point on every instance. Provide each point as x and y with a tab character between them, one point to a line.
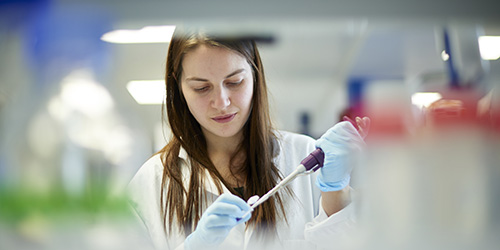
235	83
202	89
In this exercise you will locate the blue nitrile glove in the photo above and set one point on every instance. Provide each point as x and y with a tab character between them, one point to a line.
217	221
337	144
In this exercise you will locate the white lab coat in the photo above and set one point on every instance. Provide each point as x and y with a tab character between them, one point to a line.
308	226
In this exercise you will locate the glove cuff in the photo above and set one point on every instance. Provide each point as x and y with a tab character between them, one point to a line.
332	186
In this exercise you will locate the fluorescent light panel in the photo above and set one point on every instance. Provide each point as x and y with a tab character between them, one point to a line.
424	99
489	46
148	34
147	92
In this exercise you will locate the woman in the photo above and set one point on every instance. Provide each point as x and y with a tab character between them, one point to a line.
192	193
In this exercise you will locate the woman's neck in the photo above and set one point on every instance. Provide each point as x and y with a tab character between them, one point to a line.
223	145
220	151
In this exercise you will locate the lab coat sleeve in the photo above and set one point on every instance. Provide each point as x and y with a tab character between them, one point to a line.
140	229
326	231
144	193
180	247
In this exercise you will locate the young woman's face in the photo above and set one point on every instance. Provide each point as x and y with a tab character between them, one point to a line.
218	87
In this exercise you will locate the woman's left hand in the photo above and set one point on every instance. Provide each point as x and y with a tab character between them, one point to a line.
337	144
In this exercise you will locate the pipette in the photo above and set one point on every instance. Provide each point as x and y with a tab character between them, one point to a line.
310	164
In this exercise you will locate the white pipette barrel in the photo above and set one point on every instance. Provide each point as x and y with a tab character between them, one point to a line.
312	162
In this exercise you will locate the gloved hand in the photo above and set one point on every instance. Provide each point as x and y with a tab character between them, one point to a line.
217	221
337	144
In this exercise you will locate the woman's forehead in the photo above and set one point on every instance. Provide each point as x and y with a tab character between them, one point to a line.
207	60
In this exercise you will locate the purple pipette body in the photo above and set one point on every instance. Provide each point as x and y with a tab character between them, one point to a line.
315	159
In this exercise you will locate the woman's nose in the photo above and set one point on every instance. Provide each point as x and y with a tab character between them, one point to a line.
220	99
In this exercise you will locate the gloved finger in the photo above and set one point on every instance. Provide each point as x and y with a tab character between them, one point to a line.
343	132
343	129
235	200
244	219
363	125
215	221
347	130
339	167
222	208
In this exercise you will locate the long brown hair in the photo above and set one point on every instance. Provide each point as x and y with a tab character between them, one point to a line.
182	201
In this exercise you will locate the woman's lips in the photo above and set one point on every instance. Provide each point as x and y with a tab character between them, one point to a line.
224	118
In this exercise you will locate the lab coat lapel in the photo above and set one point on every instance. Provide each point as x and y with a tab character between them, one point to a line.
248	236
210	186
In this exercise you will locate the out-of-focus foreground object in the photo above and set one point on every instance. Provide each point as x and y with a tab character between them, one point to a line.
433	185
64	146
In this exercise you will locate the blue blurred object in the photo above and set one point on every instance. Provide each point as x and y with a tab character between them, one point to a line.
452	72
10	2
58	40
355	88
305	123
16	12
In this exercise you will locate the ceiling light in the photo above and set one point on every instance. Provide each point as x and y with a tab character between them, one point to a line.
148	34
80	92
489	46
147	91
424	99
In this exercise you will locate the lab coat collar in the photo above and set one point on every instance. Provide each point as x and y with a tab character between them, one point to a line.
183	154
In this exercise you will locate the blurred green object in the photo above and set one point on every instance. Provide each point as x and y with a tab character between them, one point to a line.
18	204
94	218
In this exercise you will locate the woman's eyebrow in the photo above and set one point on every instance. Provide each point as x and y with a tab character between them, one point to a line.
198	79
235	72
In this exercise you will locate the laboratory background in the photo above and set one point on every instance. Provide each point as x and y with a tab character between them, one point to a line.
81	94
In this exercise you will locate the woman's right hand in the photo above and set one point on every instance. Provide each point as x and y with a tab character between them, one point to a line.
338	143
217	221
